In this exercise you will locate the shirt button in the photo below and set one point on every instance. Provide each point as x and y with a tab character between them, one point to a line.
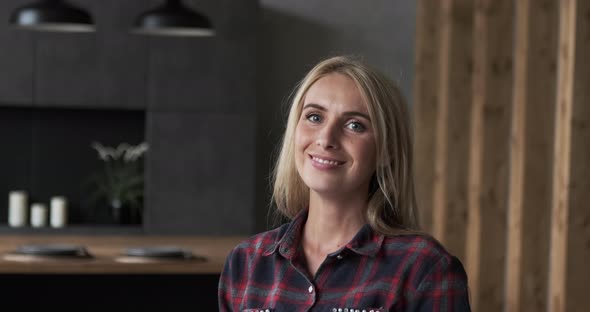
310	289
339	257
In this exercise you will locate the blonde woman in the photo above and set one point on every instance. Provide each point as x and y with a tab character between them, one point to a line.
344	179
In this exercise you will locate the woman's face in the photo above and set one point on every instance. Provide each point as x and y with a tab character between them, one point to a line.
334	140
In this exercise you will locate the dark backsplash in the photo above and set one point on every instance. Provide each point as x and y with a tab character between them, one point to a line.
47	152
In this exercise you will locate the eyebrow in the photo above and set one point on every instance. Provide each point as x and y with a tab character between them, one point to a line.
352	113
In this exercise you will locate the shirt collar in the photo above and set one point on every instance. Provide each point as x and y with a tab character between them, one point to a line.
366	242
287	241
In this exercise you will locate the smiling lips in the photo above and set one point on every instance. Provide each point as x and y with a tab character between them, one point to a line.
324	163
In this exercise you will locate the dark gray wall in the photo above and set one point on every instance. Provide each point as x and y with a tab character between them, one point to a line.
294	35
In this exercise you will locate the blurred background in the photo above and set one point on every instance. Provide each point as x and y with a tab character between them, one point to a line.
153	122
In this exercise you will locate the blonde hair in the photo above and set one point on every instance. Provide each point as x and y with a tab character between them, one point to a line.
392	202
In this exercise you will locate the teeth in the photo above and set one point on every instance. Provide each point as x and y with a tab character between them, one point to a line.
325	161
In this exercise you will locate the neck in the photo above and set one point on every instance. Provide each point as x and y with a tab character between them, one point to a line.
331	223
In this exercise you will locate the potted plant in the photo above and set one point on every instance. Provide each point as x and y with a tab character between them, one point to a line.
120	185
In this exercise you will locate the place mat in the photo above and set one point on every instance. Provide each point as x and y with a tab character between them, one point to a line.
37	258
47	252
53	250
133	259
153	254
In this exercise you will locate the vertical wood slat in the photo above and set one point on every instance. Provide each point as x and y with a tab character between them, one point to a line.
570	241
517	155
531	152
561	166
488	164
425	106
451	145
578	272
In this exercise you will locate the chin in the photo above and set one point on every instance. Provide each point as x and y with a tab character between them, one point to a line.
325	190
326	186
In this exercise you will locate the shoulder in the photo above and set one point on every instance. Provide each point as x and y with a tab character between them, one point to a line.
432	274
415	242
422	254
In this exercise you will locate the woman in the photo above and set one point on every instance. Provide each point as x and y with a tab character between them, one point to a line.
344	178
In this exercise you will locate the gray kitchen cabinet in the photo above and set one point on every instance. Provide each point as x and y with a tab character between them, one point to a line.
200	173
103	69
207	74
16	61
113	68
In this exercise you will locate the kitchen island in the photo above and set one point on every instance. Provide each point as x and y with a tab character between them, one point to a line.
107	255
105	282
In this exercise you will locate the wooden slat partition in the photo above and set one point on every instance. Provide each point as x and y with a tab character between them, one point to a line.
452	139
531	154
425	106
489	154
526	242
570	228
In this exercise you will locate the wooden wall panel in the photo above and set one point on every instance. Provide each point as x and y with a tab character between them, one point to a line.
570	273
425	106
489	160
526	242
531	154
452	137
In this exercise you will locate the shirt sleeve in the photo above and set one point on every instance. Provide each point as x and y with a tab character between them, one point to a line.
225	286
443	288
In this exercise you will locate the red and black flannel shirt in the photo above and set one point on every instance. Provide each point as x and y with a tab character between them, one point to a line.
372	272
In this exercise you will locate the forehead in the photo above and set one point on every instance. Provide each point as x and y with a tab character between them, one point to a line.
336	91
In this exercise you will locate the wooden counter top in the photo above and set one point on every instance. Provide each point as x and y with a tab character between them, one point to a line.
108	249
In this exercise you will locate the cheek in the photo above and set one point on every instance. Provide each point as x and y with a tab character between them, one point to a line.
367	154
300	145
302	137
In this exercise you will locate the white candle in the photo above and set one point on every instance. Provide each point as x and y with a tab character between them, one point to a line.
38	215
17	208
59	211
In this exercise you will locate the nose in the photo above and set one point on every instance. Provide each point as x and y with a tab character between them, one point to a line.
327	136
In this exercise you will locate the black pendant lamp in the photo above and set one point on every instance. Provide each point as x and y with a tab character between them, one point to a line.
173	19
52	15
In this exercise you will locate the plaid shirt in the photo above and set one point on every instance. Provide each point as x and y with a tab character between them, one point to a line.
371	273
